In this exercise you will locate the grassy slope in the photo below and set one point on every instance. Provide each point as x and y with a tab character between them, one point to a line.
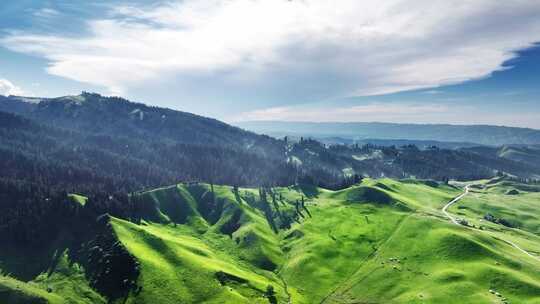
13	291
341	254
521	210
384	241
178	266
78	198
438	262
180	262
65	280
323	252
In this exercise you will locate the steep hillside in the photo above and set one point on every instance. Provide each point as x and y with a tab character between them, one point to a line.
75	149
383	241
96	114
90	143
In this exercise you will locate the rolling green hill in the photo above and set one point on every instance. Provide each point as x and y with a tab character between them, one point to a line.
382	241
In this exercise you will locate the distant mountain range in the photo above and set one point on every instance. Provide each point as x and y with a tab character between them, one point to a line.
360	131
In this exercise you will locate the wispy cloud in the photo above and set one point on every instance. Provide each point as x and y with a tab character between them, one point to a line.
281	50
366	112
8	88
394	112
433	92
46	13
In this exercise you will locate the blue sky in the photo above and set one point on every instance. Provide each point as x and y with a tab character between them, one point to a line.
423	62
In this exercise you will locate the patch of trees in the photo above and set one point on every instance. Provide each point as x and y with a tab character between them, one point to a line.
110	268
31	214
440	164
270	294
33	218
522	180
491	218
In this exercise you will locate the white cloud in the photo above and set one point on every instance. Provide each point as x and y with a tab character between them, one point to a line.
433	92
395	113
7	88
285	49
367	112
46	12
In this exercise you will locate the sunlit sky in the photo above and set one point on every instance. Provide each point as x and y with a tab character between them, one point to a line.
424	61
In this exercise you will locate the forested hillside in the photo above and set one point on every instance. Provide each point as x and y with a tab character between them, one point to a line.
89	143
123	145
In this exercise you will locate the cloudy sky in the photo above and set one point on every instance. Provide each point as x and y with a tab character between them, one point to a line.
447	61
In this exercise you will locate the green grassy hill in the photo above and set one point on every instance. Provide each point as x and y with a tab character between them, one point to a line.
507	210
383	241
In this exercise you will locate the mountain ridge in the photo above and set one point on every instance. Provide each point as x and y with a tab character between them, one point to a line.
112	136
478	134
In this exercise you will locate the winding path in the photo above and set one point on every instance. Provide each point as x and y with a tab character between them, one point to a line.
455	200
454	220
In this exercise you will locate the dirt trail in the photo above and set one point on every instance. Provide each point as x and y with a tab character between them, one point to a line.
455	200
454	220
